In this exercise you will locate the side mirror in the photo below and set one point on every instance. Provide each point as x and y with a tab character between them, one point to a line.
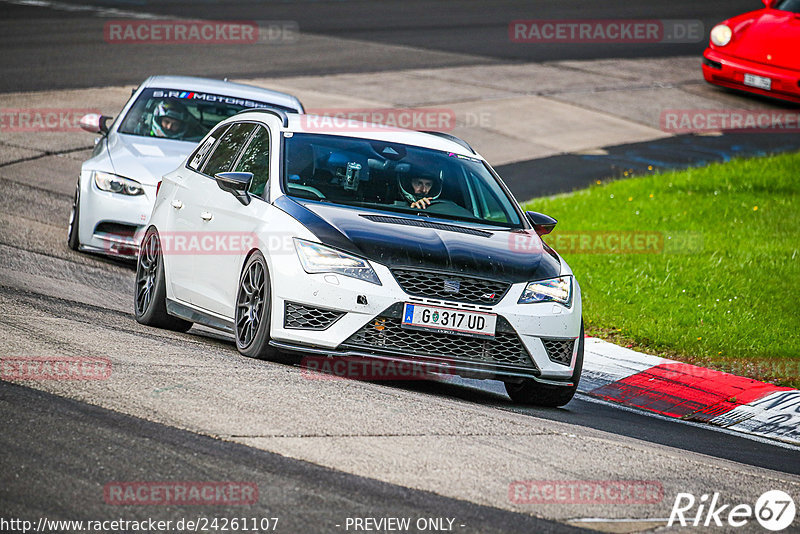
236	183
769	3
94	123
542	224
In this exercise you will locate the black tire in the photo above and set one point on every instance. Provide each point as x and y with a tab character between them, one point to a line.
150	297
74	217
531	392
254	310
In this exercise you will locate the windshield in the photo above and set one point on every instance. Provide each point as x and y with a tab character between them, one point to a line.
789	5
395	177
182	115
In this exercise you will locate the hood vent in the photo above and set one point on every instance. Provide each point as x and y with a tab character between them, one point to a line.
427	224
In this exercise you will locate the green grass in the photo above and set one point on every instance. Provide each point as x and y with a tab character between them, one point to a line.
723	291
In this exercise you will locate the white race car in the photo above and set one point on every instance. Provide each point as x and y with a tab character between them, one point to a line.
155	131
361	241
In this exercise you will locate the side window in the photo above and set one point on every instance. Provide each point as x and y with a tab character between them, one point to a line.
488	205
200	153
229	146
255	159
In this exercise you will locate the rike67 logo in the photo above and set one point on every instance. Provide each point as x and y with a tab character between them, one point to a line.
774	510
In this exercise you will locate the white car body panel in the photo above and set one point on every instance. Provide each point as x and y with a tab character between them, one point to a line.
208	284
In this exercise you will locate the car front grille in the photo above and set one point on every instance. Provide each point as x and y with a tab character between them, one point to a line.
559	350
304	317
450	287
385	334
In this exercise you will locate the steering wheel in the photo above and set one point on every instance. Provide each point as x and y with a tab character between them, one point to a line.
442	202
437	202
446	207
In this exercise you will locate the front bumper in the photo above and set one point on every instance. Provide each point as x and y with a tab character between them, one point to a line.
721	69
339	316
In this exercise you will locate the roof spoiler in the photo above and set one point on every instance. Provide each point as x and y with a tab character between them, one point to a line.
277	112
451	138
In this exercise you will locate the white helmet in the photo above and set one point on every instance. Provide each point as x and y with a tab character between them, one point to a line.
171	109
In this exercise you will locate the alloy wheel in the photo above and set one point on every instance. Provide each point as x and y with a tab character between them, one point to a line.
146	271
250	304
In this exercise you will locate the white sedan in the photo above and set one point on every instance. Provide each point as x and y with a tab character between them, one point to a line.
361	241
157	128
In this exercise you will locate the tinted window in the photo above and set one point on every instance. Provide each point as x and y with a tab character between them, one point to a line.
488	198
255	159
393	177
221	160
789	5
196	160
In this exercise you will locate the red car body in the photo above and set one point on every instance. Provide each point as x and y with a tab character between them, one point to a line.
763	55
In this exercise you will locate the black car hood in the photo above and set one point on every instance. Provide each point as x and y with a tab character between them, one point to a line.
511	256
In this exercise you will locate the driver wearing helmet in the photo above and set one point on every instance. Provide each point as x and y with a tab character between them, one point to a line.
170	120
421	190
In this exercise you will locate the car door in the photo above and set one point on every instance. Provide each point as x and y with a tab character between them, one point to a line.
195	241
235	226
185	185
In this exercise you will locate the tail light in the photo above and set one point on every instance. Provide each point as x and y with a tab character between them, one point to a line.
158	186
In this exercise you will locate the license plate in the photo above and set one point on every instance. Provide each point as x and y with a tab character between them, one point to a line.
449	320
758	81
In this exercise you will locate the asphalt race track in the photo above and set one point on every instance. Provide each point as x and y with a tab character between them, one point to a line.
188	407
62	44
304	497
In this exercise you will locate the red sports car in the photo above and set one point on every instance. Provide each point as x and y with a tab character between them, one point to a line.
758	52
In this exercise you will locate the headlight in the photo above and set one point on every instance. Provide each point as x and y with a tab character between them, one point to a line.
721	34
318	258
553	290
117	184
